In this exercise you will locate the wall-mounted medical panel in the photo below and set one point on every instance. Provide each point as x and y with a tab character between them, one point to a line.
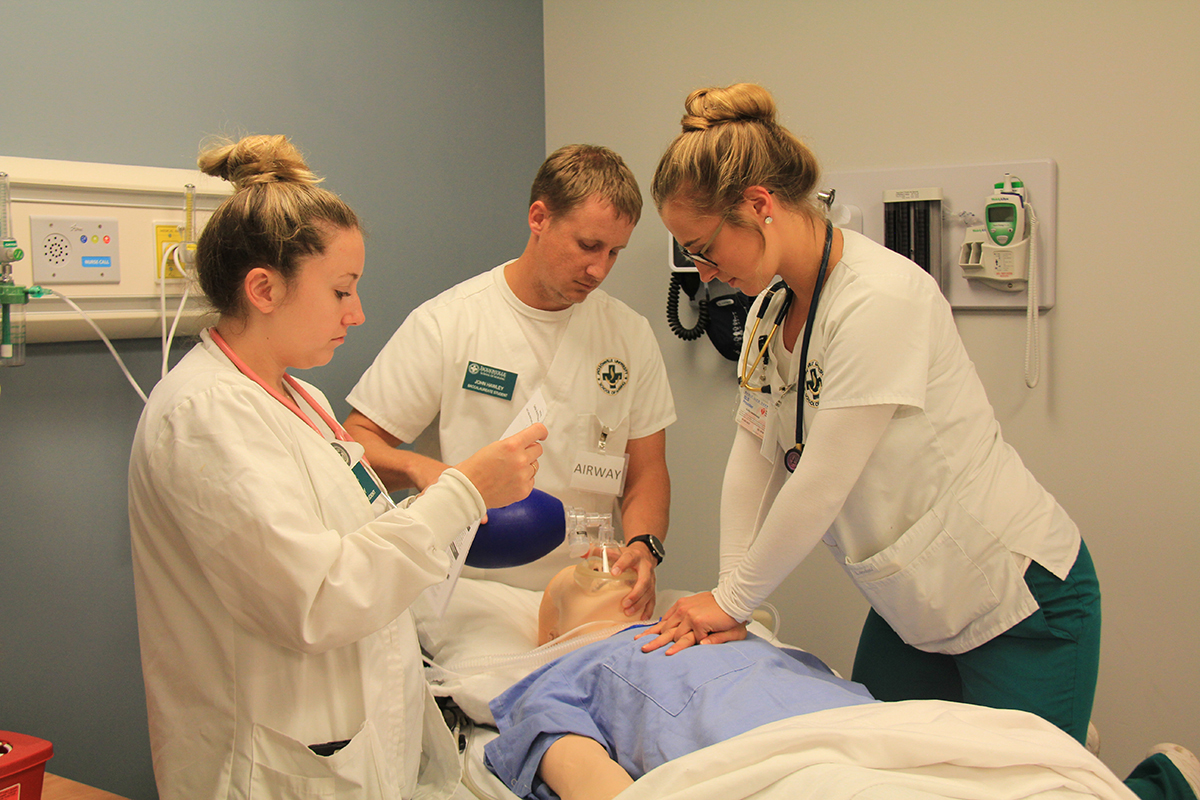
963	193
92	232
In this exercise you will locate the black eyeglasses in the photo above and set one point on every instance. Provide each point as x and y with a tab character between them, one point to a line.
698	255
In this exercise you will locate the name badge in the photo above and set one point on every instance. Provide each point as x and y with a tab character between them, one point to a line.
369	486
595	472
352	453
751	412
489	380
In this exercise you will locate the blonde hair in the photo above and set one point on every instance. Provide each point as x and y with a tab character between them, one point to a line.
731	141
572	174
276	216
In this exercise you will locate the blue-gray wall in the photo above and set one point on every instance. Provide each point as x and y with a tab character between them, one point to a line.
426	116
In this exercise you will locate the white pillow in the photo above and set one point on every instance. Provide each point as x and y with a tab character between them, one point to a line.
482	618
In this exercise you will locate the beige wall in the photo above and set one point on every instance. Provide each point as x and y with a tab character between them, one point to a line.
1111	91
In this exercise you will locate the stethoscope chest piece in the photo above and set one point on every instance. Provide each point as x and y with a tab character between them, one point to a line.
341	451
791	459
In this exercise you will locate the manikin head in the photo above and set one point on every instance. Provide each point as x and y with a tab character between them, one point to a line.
582	594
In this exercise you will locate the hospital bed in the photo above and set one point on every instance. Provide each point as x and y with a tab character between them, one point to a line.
486	641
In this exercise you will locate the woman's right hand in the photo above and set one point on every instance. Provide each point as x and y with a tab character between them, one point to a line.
696	619
503	471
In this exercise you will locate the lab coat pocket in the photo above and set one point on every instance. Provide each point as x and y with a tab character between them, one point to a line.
934	581
285	769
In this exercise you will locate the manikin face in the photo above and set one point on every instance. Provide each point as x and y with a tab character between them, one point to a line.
321	304
737	252
572	600
575	251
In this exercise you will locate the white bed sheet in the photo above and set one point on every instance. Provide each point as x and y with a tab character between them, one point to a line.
887	751
898	751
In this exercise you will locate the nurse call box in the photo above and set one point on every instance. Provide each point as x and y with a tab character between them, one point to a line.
74	250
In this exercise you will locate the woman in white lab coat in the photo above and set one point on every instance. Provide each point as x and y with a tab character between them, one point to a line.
980	586
273	577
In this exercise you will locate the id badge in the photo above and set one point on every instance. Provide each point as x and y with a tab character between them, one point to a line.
599	473
751	412
352	453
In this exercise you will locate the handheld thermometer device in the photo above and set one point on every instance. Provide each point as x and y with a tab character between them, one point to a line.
997	252
1005	213
1002	253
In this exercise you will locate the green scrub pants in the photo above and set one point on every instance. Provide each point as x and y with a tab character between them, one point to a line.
1157	778
1046	664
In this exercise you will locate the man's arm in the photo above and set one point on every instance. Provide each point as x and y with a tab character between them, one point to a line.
645	508
398	469
579	768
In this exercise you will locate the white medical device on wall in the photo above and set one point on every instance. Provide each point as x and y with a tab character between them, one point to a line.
1024	242
97	233
1002	253
997	251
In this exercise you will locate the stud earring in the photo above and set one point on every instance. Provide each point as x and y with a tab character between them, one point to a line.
769	220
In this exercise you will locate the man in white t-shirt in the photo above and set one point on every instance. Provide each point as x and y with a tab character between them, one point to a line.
474	356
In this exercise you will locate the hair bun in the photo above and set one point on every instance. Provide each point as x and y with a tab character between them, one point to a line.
257	160
741	102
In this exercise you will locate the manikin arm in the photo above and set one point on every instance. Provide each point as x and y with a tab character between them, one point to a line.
579	768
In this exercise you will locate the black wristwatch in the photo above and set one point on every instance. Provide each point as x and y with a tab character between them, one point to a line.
653	544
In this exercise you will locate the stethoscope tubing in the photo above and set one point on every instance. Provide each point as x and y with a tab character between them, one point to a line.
792	457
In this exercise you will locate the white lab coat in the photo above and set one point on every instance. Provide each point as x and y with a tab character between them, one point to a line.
273	603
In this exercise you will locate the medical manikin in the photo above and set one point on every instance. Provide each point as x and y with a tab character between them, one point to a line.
595	720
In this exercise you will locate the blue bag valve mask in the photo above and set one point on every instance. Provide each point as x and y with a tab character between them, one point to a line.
519	533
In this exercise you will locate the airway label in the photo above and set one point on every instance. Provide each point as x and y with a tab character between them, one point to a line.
97	261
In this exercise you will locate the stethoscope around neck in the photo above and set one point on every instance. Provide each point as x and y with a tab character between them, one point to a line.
791	458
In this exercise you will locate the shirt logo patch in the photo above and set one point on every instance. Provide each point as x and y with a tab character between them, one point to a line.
612	375
812	383
489	380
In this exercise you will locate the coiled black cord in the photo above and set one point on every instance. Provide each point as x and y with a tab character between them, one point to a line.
677	327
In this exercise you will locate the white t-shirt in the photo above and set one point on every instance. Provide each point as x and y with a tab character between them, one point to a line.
941	496
597	364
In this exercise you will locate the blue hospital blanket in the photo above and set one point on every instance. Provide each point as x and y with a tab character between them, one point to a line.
649	708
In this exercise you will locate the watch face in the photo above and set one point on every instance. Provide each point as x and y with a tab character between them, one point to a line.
655	545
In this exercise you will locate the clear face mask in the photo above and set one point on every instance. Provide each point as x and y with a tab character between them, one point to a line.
595	573
587	529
